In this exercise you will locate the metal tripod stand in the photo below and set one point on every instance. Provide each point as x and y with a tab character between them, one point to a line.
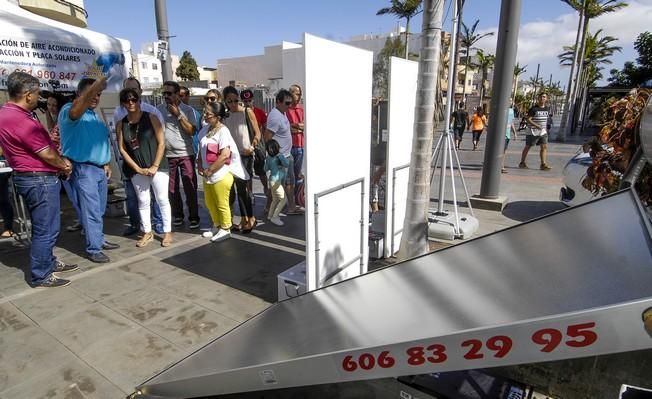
440	223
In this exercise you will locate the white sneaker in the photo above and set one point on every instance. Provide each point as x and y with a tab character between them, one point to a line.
210	233
221	235
277	221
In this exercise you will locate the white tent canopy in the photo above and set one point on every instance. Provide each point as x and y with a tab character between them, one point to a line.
56	53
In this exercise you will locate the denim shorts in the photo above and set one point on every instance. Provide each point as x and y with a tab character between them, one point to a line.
531	140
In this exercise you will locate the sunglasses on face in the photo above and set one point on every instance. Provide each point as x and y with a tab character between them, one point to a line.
232	101
168	93
210	99
288	103
131	100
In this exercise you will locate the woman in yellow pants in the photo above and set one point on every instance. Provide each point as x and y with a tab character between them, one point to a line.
217	163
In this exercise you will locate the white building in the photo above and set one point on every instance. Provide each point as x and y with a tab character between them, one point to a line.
146	67
267	70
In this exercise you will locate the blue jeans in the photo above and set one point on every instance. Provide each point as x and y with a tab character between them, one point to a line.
41	195
134	214
6	211
297	154
89	187
73	200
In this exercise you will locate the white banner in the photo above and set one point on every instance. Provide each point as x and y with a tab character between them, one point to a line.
59	55
600	331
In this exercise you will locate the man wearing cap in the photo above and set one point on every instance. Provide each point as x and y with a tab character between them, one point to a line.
36	164
85	141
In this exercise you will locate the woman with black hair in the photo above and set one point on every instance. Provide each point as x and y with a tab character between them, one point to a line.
142	146
243	126
218	162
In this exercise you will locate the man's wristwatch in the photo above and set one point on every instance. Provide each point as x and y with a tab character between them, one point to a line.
180	116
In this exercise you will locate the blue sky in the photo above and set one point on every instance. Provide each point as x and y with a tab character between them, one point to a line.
219	29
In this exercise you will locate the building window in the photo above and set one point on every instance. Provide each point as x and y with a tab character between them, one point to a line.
154	66
143	65
156	79
146	79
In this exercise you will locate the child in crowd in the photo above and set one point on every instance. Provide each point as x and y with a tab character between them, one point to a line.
276	164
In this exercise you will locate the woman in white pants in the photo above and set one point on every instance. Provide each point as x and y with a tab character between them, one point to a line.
142	145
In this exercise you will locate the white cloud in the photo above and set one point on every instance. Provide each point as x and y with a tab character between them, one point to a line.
541	41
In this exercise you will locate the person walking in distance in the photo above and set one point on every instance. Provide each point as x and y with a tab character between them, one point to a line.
179	128
459	121
478	124
85	141
36	164
509	131
538	123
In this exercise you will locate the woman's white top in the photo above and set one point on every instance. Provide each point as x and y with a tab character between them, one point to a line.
210	145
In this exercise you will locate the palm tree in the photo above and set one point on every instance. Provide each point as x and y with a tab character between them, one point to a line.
535	83
588	9
468	39
518	71
414	240
485	62
403	9
597	51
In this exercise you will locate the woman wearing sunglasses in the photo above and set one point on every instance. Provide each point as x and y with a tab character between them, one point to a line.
212	95
142	145
245	132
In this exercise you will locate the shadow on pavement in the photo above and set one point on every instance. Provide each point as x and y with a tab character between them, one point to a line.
526	210
238	264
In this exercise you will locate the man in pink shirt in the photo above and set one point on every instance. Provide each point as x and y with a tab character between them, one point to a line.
295	115
36	164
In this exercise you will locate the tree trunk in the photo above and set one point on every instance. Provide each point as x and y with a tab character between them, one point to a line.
466	71
414	241
515	88
580	70
568	102
407	37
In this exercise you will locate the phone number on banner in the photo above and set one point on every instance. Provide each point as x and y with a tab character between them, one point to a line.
43	73
479	350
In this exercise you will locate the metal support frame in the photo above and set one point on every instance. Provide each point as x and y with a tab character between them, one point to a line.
448	146
394	232
359	257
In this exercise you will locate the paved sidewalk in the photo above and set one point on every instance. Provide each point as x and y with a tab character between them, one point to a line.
118	324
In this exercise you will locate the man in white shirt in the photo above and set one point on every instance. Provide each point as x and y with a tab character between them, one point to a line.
278	128
131	200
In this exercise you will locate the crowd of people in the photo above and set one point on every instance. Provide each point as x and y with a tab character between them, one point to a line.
160	150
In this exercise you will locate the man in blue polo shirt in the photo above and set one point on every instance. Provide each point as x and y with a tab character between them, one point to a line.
85	142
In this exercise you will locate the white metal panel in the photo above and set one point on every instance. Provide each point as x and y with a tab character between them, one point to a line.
402	100
338	137
568	285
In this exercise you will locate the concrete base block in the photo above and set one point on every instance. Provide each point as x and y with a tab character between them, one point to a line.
489	204
442	227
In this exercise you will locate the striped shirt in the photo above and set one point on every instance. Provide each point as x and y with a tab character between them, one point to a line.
539	115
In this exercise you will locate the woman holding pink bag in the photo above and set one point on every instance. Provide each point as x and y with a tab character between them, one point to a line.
218	162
